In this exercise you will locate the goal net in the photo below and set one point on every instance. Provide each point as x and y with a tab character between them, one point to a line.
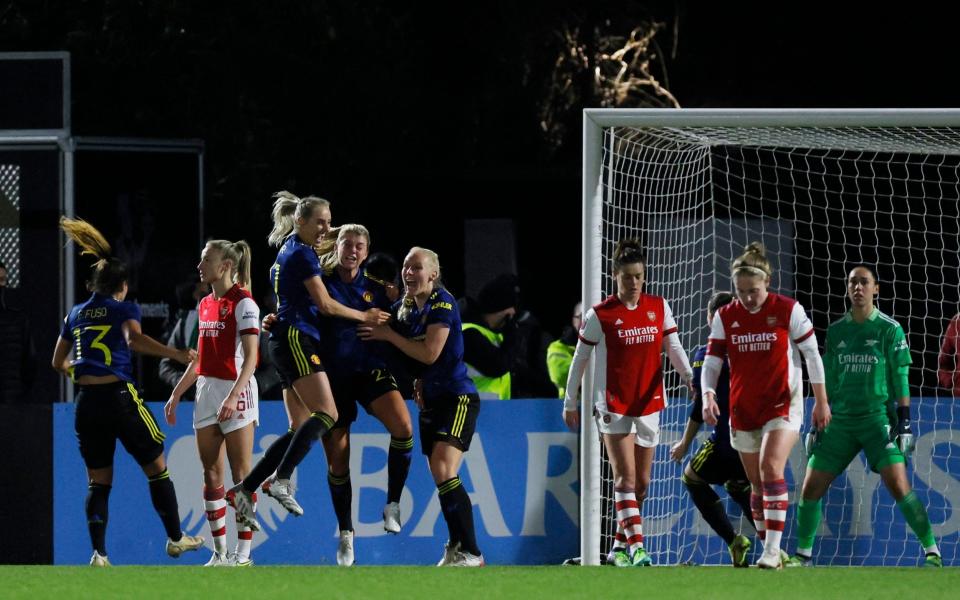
822	190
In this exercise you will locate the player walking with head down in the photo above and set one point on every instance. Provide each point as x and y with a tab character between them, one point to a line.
428	329
102	331
227	404
762	334
867	363
715	463
298	226
629	330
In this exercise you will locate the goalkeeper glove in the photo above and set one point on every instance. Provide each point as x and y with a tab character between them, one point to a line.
810	441
904	434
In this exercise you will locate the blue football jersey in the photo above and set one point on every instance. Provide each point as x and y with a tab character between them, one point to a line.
95	329
448	374
296	262
343	351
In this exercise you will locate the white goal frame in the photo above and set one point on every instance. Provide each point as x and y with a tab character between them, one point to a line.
594	123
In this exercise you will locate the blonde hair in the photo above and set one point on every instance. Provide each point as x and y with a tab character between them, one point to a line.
327	250
287	208
109	272
406	306
752	262
237	253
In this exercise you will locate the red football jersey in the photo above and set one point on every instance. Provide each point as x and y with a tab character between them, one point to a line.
222	322
764	359
629	341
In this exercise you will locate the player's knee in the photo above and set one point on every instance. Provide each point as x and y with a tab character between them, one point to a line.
338	462
690	478
737	486
641	487
154	467
403	430
213	476
898	485
770	470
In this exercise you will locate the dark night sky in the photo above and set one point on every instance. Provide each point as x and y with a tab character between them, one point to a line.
411	118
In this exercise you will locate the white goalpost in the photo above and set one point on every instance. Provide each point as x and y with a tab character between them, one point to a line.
822	189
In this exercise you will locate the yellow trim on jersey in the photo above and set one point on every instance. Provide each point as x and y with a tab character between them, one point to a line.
460	416
146	416
293	337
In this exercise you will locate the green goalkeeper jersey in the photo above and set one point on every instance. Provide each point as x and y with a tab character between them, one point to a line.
866	365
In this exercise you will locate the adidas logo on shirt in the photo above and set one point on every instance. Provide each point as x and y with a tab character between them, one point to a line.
842	344
619	322
735	325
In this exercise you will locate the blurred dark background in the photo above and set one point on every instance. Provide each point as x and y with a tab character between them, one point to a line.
412	118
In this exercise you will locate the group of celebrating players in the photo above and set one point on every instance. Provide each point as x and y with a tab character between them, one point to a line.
747	382
338	332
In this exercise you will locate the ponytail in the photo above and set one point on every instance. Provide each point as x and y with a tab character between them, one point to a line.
237	253
287	208
109	273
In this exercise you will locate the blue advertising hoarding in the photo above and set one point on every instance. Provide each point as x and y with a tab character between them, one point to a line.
521	472
522	475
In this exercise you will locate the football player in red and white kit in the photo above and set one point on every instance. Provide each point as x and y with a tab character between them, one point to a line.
762	334
227	406
629	331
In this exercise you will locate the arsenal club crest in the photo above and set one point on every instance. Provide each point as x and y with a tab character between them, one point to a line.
771	321
651	315
224	309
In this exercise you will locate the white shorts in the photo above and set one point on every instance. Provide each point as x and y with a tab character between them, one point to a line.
646	427
210	394
750	441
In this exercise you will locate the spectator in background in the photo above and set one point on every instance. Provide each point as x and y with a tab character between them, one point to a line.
490	336
19	365
504	345
185	331
948	373
560	352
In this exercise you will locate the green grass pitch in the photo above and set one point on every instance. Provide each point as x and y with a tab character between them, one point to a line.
599	583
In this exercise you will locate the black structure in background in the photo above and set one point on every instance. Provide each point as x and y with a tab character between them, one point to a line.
144	199
26	445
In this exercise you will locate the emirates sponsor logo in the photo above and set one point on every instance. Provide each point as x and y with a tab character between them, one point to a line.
754	342
638	335
750	338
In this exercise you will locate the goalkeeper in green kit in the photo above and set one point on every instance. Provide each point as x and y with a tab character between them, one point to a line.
867	361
